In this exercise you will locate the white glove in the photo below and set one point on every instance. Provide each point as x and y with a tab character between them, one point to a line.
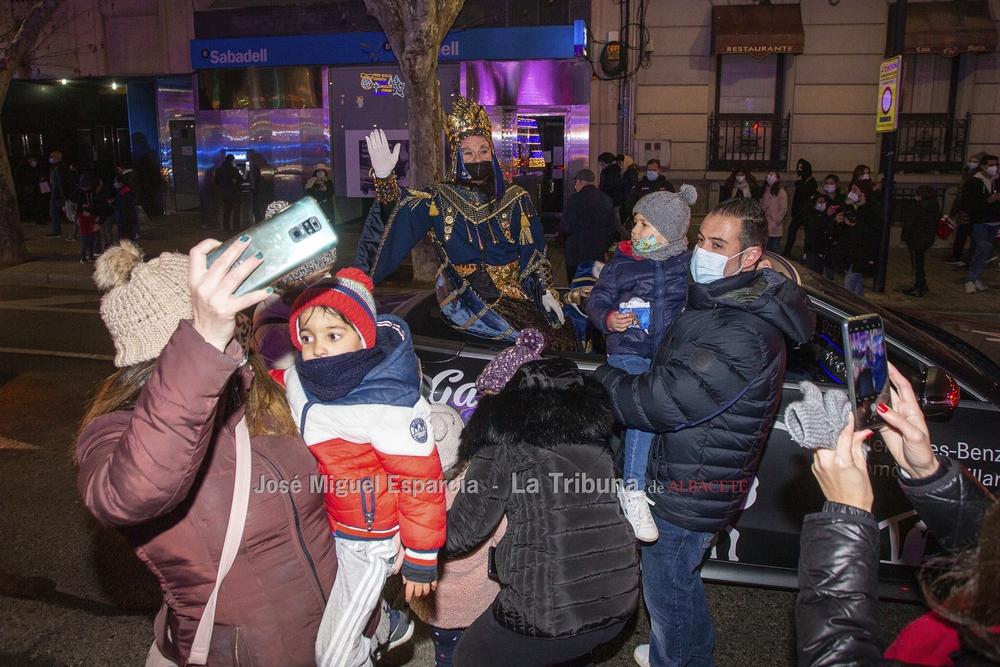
383	160
550	304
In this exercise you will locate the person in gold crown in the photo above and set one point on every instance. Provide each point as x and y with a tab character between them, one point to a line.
494	278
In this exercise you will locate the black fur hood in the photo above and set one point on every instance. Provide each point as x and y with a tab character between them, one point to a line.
539	417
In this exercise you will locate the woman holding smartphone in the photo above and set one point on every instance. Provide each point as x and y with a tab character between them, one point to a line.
836	615
160	455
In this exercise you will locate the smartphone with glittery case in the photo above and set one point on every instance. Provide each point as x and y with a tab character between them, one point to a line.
289	240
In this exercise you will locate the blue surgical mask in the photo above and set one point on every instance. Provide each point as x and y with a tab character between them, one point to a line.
646	244
707	267
652	175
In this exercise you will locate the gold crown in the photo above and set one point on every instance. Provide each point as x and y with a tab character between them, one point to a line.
466	119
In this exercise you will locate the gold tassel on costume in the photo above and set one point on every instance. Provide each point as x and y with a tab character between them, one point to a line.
525	238
433	209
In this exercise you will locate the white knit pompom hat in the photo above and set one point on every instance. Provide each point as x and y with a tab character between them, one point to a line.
144	302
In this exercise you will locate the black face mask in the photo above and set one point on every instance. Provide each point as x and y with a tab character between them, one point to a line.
479	171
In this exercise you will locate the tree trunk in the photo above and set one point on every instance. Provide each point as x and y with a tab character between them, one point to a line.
415	29
12	57
423	106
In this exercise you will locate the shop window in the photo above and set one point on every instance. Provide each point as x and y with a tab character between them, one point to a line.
260	88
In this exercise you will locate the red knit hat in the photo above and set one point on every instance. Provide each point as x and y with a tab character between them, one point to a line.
350	294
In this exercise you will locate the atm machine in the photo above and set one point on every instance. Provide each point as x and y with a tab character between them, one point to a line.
246	165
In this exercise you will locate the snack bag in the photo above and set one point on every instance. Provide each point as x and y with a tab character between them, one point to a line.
639	310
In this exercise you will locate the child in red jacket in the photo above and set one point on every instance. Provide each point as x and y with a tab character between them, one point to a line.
355	392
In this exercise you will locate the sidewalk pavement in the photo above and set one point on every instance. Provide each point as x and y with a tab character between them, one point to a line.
56	263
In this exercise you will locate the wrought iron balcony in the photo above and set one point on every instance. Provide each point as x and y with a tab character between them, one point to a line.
931	142
758	142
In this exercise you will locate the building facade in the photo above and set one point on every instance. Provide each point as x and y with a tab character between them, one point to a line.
822	94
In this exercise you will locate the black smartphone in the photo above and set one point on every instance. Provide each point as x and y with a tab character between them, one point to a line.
288	241
867	369
491	564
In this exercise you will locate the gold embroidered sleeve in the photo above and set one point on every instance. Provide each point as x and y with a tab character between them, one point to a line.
386	189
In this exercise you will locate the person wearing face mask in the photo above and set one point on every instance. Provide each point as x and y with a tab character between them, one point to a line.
982	203
862	173
825	239
774	201
802	202
861	223
963	228
495	270
320	188
648	273
711	395
741	184
654	181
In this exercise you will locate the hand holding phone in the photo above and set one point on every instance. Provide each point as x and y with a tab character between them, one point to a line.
867	369
287	241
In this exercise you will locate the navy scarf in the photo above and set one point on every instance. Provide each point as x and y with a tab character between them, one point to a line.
330	378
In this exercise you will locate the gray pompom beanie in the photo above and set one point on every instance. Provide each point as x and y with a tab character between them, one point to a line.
670	214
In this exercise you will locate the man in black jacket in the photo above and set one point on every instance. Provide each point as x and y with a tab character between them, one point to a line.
587	225
59	189
654	182
710	395
229	178
611	177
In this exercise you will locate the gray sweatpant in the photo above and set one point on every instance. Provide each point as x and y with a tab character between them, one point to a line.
362	568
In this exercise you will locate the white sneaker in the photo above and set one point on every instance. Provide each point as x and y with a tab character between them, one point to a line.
641	655
635	504
970	287
981	286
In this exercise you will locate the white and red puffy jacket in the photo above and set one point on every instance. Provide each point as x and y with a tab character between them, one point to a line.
375	448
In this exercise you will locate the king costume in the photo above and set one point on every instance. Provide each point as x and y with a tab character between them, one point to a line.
494	267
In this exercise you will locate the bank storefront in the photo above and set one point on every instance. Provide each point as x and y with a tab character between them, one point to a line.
283	105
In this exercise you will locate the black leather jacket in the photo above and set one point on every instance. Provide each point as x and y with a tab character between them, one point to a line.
836	614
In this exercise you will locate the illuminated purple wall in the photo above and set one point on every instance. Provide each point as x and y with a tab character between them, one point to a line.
533	87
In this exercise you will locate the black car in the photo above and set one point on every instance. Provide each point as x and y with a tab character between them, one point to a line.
960	391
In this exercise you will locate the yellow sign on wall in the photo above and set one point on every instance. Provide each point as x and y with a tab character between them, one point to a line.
887	119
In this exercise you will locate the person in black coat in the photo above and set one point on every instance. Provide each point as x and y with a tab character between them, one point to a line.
611	177
805	191
229	178
653	182
920	222
630	179
711	396
588	224
567	563
836	613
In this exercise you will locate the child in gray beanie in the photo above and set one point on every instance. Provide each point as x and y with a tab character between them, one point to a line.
635	300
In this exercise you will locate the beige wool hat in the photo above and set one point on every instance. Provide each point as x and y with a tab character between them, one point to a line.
144	301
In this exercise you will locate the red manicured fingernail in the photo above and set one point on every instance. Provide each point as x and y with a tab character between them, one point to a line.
882	407
870	434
